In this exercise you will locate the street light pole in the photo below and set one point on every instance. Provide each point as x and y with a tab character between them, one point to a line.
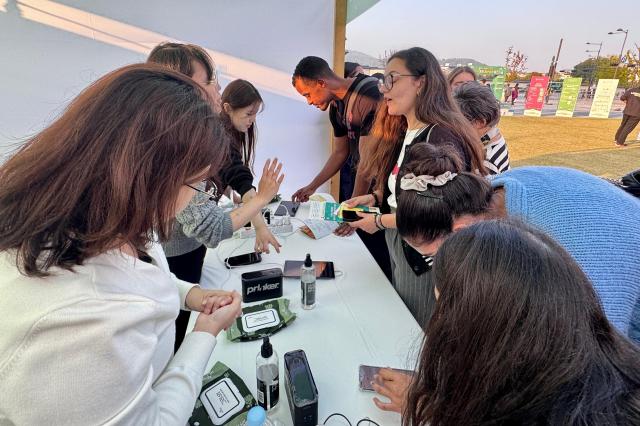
626	33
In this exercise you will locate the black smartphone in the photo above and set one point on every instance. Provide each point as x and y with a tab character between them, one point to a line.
352	215
324	269
242	259
290	207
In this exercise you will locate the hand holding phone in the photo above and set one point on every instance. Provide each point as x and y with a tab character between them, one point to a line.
368	373
391	383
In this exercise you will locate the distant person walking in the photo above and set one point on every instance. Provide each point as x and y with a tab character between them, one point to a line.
630	115
514	93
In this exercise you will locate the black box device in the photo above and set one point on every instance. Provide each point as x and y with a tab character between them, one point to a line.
301	389
261	285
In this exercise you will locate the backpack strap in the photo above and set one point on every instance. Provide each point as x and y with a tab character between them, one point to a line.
352	99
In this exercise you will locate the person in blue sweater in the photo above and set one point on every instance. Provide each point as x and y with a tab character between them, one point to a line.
597	223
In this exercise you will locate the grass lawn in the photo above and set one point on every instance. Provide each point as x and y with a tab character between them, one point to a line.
582	143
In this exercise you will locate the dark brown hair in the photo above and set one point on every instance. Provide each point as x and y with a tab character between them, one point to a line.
518	337
477	103
241	94
180	57
109	170
434	105
422	219
459	70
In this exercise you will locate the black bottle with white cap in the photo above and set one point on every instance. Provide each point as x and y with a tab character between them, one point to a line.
268	376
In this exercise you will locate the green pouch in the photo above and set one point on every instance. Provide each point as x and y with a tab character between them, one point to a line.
224	399
263	319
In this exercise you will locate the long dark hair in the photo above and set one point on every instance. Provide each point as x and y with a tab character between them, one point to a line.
518	336
434	105
241	94
109	170
421	219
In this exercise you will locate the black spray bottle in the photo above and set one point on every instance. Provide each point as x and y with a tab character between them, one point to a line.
268	376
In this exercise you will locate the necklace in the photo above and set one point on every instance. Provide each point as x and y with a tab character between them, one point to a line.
420	126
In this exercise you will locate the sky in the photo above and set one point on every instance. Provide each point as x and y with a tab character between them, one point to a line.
483	30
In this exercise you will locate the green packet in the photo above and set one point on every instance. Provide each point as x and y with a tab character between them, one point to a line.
224	399
263	319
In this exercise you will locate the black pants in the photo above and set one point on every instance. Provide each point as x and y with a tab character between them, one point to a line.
628	124
187	267
375	243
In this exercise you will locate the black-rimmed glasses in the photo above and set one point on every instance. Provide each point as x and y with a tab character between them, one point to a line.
210	190
387	82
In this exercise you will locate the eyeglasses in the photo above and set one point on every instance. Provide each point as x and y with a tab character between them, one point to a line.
210	190
387	81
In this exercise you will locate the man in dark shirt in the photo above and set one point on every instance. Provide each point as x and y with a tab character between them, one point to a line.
352	104
630	115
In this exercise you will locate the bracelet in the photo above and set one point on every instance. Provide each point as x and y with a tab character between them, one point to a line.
375	198
378	221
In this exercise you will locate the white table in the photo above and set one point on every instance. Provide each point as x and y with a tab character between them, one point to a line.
358	319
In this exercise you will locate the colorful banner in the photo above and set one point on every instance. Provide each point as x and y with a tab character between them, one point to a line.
495	77
603	99
535	96
568	96
497	84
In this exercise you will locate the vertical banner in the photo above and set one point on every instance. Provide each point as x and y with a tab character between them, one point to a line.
568	96
535	96
495	77
603	99
497	84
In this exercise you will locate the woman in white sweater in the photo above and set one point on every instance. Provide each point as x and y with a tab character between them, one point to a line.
87	300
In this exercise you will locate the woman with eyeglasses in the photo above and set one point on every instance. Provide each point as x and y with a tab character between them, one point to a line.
202	223
87	299
417	108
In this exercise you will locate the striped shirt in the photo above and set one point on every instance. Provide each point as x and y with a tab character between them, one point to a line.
496	153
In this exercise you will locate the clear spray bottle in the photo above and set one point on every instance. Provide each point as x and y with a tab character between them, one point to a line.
308	283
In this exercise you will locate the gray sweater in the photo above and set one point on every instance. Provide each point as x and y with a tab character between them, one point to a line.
205	224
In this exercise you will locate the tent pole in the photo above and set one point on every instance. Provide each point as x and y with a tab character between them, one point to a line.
339	38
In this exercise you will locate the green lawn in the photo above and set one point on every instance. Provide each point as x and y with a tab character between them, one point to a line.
581	143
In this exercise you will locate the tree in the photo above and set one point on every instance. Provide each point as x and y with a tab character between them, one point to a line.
515	62
604	67
633	67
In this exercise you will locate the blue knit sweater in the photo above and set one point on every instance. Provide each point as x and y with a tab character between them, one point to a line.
597	223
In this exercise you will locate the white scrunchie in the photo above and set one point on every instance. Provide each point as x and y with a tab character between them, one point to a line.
422	182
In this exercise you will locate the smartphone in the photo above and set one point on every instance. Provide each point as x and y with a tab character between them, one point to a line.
367	375
352	215
324	269
242	259
290	207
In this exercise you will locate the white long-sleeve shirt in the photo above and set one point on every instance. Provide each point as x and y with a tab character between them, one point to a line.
95	346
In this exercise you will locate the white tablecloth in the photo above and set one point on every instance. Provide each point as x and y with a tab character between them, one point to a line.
358	319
